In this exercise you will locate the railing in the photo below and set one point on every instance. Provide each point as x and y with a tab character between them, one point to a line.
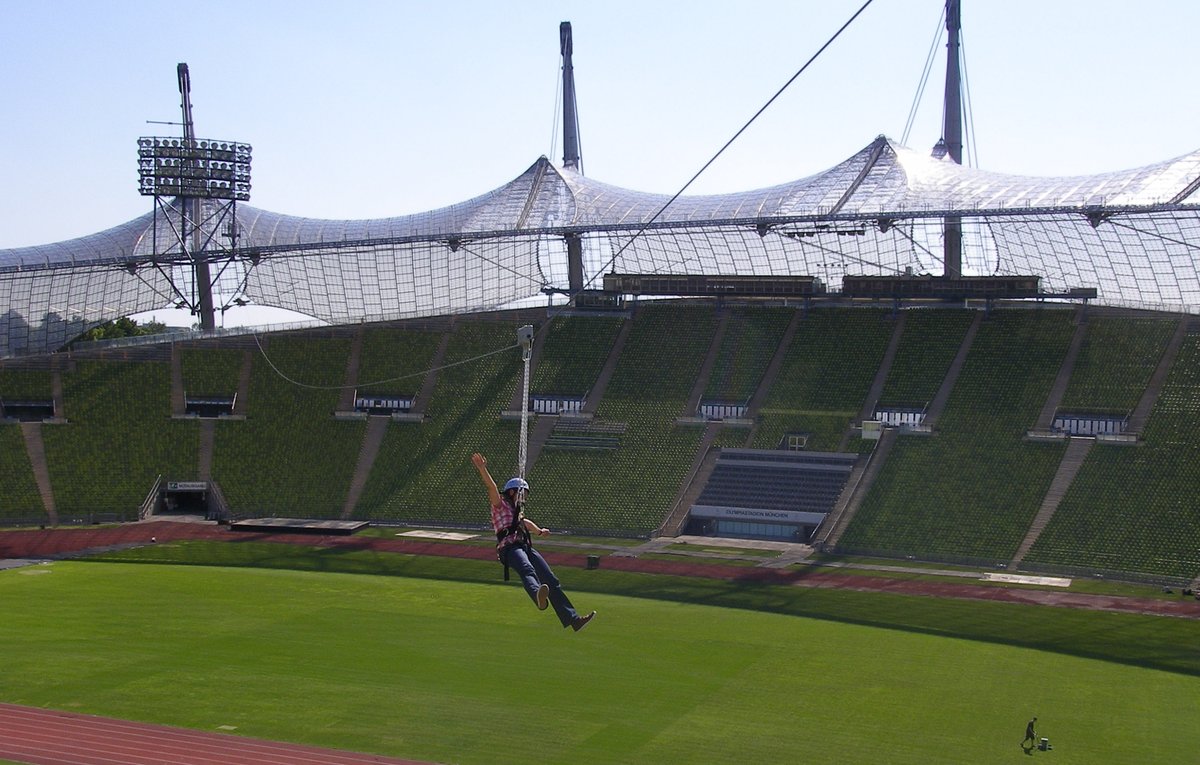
151	501
218	507
678	514
84	519
1078	572
834	518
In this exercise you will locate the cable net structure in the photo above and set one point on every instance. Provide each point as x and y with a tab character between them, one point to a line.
1132	235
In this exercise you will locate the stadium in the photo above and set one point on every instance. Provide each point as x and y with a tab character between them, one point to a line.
902	369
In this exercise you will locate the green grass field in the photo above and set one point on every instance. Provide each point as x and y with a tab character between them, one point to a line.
435	659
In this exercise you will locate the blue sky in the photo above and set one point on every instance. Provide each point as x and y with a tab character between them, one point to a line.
368	109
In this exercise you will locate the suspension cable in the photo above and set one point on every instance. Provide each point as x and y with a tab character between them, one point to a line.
1155	234
929	59
645	226
637	234
972	141
557	104
310	386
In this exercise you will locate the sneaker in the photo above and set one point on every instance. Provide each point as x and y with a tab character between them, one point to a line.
543	597
582	621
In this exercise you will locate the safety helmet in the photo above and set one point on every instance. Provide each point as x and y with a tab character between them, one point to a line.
516	483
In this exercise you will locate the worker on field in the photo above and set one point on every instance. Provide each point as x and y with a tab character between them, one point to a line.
1030	736
515	548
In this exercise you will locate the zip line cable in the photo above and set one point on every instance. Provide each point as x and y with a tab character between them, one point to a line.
728	143
501	266
553	314
644	227
1163	237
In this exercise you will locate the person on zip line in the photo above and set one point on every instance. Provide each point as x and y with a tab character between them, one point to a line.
514	547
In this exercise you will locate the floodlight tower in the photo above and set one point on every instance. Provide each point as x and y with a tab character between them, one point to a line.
196	185
952	137
571	158
192	208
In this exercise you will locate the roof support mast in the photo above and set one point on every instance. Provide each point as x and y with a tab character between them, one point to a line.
571	159
191	212
570	116
952	137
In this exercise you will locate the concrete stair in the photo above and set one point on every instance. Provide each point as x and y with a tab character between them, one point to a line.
56	389
710	360
178	404
36	449
1046	417
858	485
372	440
610	365
768	379
689	492
208	438
243	391
1068	468
1141	413
943	395
421	402
881	374
346	394
543	426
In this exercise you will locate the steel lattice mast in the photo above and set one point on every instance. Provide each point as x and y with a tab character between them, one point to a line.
191	212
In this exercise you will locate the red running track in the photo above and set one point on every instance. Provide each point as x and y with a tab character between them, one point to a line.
45	543
45	737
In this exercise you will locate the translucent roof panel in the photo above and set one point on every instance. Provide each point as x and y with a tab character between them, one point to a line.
1134	235
41	310
390	281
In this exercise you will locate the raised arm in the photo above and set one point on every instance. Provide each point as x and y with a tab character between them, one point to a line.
489	483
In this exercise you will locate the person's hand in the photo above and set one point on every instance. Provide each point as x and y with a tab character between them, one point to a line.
479	460
543	532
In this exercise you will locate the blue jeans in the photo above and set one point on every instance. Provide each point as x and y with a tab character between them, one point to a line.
534	572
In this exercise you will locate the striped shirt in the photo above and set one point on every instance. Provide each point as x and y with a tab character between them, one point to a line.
502	519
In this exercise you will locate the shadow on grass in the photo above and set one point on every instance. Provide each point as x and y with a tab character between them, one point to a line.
1152	642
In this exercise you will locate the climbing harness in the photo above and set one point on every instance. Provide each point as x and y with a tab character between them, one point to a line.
523	540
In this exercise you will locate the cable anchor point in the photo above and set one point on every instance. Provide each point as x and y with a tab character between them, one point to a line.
525	339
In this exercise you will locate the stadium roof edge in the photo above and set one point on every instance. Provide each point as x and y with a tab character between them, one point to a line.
1133	234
